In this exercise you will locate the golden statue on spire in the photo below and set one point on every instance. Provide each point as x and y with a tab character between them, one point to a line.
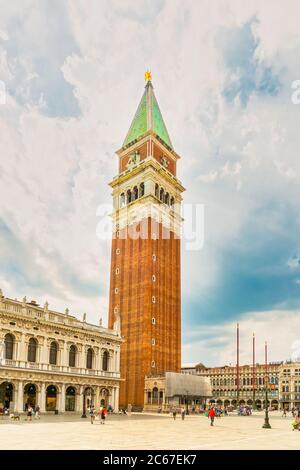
148	76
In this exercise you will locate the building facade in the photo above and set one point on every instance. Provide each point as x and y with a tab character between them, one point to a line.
54	360
145	257
251	384
173	389
289	385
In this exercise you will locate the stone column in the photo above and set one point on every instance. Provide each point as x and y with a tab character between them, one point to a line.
22	352
19	397
113	397
116	407
82	358
62	401
44	356
42	402
78	399
97	398
149	187
97	359
38	395
118	360
65	355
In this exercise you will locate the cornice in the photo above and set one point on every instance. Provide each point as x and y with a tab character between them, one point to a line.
149	162
59	326
143	139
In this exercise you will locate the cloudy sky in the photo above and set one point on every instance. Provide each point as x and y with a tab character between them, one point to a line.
223	73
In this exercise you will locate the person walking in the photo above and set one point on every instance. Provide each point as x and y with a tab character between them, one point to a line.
284	413
296	422
103	415
37	412
211	415
29	412
174	413
182	411
92	413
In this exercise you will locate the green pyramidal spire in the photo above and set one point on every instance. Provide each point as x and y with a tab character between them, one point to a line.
148	117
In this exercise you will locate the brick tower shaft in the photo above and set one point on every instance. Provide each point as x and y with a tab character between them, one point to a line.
145	256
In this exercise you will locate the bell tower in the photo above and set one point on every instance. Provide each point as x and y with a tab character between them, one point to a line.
145	257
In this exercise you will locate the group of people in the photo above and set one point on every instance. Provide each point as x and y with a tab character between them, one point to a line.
244	410
32	411
296	415
213	413
182	412
101	414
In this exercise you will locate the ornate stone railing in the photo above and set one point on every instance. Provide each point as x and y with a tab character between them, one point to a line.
61	369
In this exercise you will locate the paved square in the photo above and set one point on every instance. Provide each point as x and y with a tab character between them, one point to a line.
141	431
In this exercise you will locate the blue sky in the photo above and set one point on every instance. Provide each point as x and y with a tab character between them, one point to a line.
222	73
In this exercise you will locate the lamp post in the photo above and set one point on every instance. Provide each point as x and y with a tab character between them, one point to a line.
253	372
187	402
86	391
237	365
84	405
266	424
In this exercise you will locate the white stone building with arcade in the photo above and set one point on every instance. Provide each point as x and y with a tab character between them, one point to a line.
54	360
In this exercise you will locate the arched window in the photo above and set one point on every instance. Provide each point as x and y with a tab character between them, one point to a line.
51	396
72	356
32	347
161	194
89	359
105	361
70	399
9	346
128	196
172	203
155	396
167	199
122	200
135	193
53	353
156	191
142	189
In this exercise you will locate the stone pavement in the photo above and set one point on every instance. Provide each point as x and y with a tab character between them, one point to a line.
146	431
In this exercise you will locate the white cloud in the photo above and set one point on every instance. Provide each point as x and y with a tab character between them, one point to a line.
220	340
54	172
294	262
3	36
